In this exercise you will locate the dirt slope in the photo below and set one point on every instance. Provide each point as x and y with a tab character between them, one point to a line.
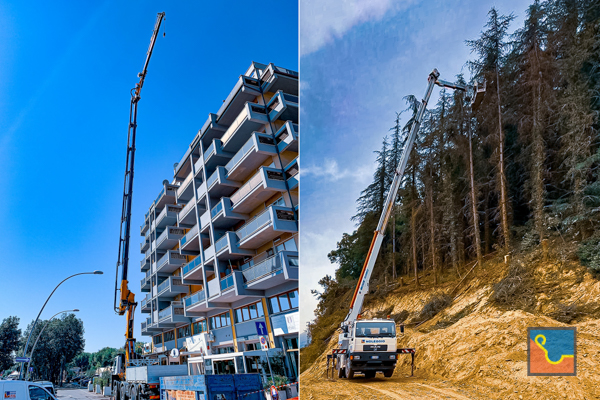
475	349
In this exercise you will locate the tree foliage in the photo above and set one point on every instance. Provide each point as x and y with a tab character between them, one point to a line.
9	342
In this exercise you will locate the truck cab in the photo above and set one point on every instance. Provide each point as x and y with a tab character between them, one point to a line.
370	348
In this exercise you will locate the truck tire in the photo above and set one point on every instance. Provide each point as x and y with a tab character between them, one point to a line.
123	393
370	374
341	373
349	370
115	390
388	373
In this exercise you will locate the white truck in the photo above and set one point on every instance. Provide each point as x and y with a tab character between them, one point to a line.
24	390
369	346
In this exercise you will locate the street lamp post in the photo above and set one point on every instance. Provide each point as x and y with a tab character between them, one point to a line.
27	373
38	316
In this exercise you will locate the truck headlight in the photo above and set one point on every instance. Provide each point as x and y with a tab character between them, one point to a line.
393	357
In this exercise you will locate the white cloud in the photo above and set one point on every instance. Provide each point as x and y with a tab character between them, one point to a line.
322	21
331	171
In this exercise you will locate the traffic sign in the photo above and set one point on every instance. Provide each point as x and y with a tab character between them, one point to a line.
263	343
274	393
261	327
22	359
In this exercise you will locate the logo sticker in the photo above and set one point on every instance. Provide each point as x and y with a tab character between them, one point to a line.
10	395
551	352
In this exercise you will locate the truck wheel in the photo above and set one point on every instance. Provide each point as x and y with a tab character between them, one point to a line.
389	373
341	373
370	374
349	370
122	393
115	390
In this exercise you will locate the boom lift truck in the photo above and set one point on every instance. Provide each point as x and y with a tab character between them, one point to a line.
369	346
133	377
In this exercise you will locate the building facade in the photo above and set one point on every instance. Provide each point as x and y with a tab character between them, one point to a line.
220	240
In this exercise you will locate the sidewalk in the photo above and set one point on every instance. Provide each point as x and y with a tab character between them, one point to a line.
79	394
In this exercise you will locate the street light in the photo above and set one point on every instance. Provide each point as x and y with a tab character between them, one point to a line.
40	335
38	316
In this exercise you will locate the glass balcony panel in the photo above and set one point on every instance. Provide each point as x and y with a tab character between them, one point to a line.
253	225
221	243
248	187
227	282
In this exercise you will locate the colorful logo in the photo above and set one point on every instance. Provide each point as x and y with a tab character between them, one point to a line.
551	352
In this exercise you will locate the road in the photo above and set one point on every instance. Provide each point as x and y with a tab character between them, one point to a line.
79	394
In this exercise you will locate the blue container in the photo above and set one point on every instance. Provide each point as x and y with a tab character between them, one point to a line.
213	387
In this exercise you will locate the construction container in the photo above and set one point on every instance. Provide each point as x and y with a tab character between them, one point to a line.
152	373
212	387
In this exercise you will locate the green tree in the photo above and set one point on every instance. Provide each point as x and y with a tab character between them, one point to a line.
9	341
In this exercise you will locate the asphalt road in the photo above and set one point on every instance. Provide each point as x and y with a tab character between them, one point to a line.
79	394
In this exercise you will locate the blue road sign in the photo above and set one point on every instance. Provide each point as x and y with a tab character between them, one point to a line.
22	359
261	327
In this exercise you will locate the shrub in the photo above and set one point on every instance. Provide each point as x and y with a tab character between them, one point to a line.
515	290
436	303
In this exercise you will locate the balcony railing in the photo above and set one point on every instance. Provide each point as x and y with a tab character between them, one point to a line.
189	235
187	208
290	98
265	267
184	184
165	284
221	243
216	209
253	225
165	258
192	265
195	298
248	187
240	154
212	179
209	151
174	309
160	195
227	282
234	126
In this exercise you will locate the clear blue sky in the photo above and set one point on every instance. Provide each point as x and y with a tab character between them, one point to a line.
357	63
66	69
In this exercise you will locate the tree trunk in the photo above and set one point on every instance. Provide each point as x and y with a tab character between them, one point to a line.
501	174
474	196
394	245
432	229
487	231
414	243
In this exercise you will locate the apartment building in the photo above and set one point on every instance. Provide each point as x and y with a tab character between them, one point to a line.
220	240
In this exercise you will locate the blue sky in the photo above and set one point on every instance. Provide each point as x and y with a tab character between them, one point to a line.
357	63
66	69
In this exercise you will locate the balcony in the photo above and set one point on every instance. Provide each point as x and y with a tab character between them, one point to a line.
149	329
211	130
187	216
195	302
145	245
169	238
229	289
170	262
170	288
145	264
292	174
266	226
263	185
146	304
252	118
272	271
252	155
226	248
146	284
276	78
246	89
186	189
188	243
193	269
144	228
283	106
219	185
223	216
166	196
287	137
173	316
215	155
168	216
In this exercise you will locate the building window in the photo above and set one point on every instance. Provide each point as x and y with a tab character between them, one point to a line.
169	336
252	346
184	332
249	312
157	340
284	301
292	343
224	350
199	327
219	321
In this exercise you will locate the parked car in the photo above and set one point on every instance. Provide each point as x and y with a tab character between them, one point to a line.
47	385
24	390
